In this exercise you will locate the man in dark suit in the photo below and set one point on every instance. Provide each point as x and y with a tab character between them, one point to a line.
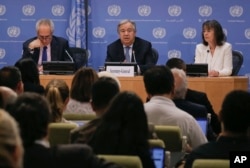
196	96
139	50
56	48
32	112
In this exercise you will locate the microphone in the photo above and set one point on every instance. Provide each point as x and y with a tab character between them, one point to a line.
71	59
138	68
207	56
133	54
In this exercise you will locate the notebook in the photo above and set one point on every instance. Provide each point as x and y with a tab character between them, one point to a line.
197	69
203	124
158	156
58	67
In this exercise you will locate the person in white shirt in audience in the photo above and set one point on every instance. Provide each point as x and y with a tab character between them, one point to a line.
161	110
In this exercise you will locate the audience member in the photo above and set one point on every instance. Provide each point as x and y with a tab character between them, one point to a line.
124	129
10	142
32	112
111	75
80	92
161	110
137	50
57	94
7	97
235	118
10	76
196	96
214	50
30	75
55	47
103	90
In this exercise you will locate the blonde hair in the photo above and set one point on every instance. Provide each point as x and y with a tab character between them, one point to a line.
10	136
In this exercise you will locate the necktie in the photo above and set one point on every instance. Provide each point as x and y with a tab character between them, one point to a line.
127	54
44	54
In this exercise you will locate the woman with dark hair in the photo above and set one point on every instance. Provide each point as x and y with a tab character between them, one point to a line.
30	75
124	129
80	92
214	50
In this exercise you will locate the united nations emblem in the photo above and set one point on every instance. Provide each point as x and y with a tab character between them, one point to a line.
247	33
2	53
159	32
236	11
174	54
174	10
99	32
114	10
2	10
205	10
28	10
189	33
13	31
57	10
144	10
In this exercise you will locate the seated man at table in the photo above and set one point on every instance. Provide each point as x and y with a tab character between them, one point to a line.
235	118
130	48
46	46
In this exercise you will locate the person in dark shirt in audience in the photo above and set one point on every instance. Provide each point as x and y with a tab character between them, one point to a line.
124	129
196	96
11	77
235	120
32	112
103	90
30	75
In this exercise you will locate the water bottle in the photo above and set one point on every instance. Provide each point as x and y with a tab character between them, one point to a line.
167	159
184	144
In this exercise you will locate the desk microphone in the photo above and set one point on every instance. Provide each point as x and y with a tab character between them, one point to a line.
138	68
133	54
71	59
207	56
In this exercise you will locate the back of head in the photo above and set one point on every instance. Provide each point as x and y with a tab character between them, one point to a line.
28	69
32	113
176	63
180	88
57	93
235	112
126	122
10	139
109	74
82	83
10	76
7	97
158	80
103	90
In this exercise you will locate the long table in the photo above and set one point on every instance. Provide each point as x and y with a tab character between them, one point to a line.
215	87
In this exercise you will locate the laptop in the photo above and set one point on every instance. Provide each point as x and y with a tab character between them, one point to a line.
158	156
203	122
134	64
58	67
197	69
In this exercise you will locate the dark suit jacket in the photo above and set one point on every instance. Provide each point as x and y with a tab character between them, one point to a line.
194	109
63	156
218	150
201	98
58	47
142	50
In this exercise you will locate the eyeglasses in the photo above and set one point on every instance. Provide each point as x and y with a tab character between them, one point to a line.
44	37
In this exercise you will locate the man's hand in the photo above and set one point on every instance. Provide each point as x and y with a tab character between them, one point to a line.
35	44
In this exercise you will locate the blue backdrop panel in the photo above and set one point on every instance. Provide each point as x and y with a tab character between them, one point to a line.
173	26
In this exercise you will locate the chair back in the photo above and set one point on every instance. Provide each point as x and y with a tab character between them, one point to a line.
171	136
155	55
156	143
80	56
237	62
210	163
123	160
59	133
78	116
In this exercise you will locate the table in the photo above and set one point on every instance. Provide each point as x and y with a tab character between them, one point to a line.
215	87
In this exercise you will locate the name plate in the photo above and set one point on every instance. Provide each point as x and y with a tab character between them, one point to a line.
121	71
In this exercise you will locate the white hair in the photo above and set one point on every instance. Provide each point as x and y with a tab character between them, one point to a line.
180	83
108	74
